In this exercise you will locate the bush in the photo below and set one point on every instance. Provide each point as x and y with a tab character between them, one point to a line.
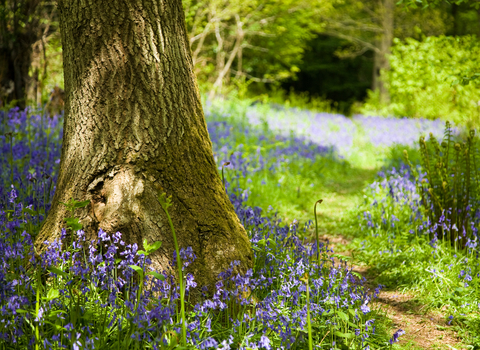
430	79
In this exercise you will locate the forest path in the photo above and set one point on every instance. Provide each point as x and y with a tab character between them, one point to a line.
425	327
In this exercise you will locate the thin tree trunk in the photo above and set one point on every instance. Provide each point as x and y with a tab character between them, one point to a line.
381	62
455	20
134	128
19	30
17	63
224	69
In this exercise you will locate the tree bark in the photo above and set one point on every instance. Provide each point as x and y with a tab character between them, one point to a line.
134	128
381	63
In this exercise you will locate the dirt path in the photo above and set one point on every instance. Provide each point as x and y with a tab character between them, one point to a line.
425	328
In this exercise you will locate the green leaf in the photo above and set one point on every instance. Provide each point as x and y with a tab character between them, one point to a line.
156	275
344	335
74	223
146	246
342	257
142	252
58	328
56	312
57	271
272	242
52	294
356	274
20	311
342	315
30	211
138	269
155	246
351	324
81	204
261	243
165	201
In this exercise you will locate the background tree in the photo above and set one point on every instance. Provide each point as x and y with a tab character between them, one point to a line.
25	28
134	128
253	40
372	25
338	63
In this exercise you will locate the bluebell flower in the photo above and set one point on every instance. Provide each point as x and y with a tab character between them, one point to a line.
396	335
264	342
365	309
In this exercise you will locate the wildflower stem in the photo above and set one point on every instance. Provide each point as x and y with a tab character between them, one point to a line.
309	323
165	204
316	227
223	177
323	338
37	310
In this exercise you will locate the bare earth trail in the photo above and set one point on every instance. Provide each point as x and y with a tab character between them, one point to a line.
425	328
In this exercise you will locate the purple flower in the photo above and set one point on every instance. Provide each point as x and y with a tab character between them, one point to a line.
450	319
208	343
368	324
103	235
264	342
396	335
13	195
365	309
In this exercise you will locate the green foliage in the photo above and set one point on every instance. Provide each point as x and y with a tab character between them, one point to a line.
72	222
431	79
323	73
450	191
292	99
242	40
433	3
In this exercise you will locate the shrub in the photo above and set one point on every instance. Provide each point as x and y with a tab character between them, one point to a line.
449	188
429	79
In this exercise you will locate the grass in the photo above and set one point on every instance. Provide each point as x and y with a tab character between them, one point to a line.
291	299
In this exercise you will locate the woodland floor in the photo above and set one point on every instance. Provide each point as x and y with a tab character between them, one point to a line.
425	328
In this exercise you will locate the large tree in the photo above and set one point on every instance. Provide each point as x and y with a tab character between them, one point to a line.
134	128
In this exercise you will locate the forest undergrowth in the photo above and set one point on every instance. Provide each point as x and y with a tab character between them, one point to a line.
377	272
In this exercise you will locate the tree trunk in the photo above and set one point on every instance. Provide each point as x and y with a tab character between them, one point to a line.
387	8
22	60
20	27
15	60
134	128
455	29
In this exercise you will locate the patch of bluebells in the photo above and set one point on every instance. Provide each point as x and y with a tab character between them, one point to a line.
86	295
232	144
338	131
382	131
30	146
399	229
89	295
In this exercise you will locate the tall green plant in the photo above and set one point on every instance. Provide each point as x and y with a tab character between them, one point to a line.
166	202
450	189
